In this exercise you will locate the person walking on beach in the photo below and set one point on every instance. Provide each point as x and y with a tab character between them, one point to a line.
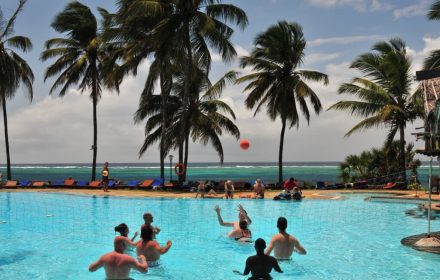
105	175
260	265
229	189
150	248
148	220
117	265
242	216
283	243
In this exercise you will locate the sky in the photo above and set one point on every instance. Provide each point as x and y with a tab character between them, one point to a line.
51	129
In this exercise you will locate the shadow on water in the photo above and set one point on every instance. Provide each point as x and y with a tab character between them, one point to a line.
14	258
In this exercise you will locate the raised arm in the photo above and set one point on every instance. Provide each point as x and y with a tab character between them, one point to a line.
96	265
134	236
248	219
220	219
130	241
141	265
163	250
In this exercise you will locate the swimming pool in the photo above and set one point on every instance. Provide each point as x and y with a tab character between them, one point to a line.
54	236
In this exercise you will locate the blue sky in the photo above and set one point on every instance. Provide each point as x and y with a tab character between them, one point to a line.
53	129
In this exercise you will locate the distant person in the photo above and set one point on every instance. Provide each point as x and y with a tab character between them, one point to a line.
258	189
117	265
229	189
290	184
150	248
296	195
242	234
124	231
201	189
242	216
148	220
105	175
283	243
260	265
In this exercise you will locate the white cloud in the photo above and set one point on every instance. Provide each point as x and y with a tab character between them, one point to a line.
358	5
344	40
418	9
320	57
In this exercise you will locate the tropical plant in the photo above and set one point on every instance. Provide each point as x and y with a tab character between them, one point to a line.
190	28
277	82
14	70
433	60
378	166
207	120
80	58
384	93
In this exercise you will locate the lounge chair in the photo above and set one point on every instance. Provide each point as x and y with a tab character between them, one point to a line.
95	184
157	183
11	184
133	184
24	183
69	182
147	183
57	183
81	183
38	184
112	184
389	186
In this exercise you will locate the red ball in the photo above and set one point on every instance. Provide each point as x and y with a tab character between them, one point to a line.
244	144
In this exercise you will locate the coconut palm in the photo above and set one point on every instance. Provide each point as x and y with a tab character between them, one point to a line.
14	70
433	60
207	120
384	93
190	27
80	57
277	82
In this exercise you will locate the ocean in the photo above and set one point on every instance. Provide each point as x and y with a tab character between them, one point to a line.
237	171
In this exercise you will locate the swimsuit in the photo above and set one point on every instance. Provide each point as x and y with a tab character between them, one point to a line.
244	238
153	263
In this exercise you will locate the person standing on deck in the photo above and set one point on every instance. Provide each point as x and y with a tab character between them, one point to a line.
105	175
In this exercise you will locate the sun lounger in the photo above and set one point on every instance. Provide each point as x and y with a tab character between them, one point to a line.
81	183
38	184
147	183
11	184
95	184
69	182
157	183
133	184
112	184
24	183
57	183
389	186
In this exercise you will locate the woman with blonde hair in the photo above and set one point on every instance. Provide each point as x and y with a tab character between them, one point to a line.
229	189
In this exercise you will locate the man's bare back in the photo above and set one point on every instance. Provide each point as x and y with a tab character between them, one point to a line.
283	243
117	266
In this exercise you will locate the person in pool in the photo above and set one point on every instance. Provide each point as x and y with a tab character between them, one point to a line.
117	265
242	216
124	231
260	265
242	234
150	248
148	220
283	243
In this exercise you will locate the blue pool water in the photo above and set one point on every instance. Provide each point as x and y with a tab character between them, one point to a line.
54	236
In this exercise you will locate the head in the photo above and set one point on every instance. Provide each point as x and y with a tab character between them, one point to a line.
106	164
243	225
122	229
260	245
282	223
229	182
147	233
258	181
148	218
119	244
291	179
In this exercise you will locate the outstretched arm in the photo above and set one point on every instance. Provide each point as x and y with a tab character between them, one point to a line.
248	219
220	219
96	265
164	249
141	265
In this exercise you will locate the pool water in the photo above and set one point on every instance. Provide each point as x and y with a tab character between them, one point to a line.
54	236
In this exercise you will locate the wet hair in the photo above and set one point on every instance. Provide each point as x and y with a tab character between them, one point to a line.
147	233
243	224
121	228
260	245
292	179
282	223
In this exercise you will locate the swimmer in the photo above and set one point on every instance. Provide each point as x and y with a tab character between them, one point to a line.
242	216
148	220
242	234
260	265
124	231
283	243
117	265
149	247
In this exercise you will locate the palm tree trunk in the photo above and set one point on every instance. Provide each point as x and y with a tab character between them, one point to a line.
280	154
162	138
186	155
5	121
402	153
95	130
186	94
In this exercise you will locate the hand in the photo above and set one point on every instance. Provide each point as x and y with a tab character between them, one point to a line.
142	258
136	234
156	230
217	209
237	272
169	243
240	208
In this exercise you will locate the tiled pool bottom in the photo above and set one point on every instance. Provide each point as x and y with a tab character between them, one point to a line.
53	236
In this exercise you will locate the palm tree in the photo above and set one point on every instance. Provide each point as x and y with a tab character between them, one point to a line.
14	70
189	28
384	93
433	60
207	120
277	82
80	57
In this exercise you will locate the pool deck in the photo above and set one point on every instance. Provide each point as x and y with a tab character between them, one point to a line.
308	194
